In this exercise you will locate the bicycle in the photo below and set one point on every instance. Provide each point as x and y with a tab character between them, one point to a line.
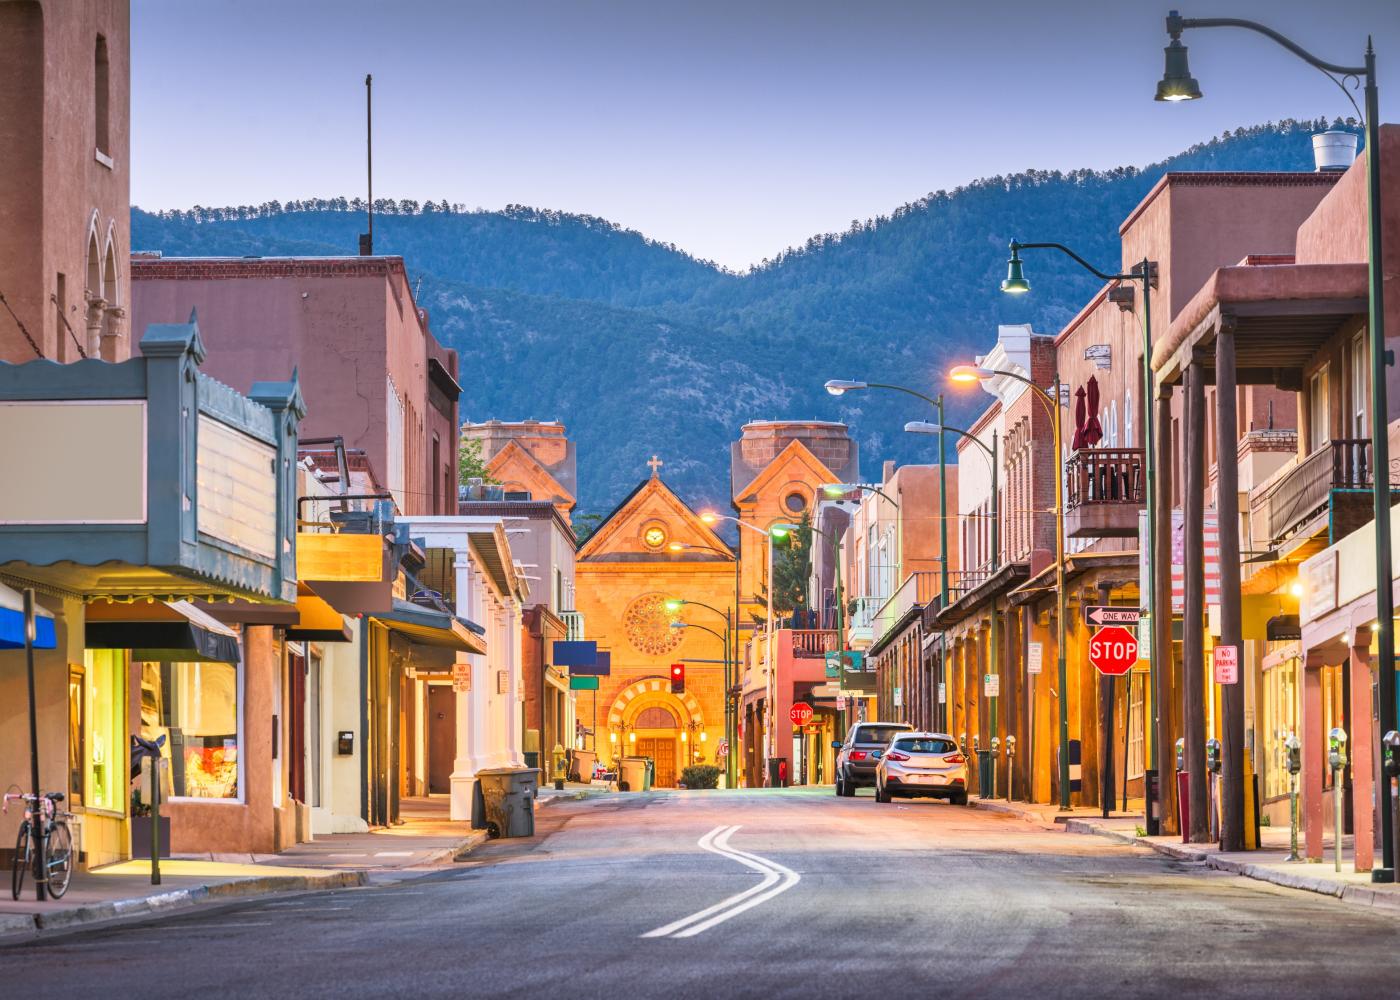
58	844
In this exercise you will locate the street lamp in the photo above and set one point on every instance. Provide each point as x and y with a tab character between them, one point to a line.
732	629
1017	284
836	491
1178	85
966	375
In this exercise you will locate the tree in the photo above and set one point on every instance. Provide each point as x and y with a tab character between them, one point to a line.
792	569
585	525
470	464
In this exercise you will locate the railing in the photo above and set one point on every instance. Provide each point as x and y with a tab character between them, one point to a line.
962	581
1104	476
863	610
1285	504
917	588
574	620
813	642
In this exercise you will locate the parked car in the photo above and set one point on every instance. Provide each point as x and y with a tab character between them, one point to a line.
857	756
922	764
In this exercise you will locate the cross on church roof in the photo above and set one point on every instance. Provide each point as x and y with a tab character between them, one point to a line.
656	465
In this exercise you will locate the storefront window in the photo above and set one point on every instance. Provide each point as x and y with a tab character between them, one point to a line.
196	707
77	736
1280	719
104	694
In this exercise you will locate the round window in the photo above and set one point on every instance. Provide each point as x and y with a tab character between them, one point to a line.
795	502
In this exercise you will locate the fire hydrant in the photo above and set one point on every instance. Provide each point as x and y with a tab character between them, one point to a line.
557	770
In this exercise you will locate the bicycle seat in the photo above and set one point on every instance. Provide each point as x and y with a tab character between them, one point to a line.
54	796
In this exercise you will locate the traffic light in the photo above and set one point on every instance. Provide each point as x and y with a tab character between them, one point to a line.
678	678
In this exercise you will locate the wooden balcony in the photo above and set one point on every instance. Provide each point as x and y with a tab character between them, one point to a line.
1104	490
813	643
1328	489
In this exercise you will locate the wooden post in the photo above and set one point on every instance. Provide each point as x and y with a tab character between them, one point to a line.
1232	815
1194	610
1165	696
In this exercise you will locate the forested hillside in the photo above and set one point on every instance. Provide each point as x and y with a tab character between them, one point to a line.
640	348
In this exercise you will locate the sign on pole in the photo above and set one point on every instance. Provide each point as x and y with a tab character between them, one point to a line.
461	677
584	683
800	714
991	685
1227	664
1035	658
1113	650
1104	615
942	693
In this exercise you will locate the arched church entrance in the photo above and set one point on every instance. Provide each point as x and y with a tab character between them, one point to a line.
657	735
655	723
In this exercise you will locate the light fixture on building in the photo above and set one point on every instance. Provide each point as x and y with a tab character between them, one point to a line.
1333	150
631	737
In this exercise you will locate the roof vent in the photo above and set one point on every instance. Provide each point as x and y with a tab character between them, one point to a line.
1334	150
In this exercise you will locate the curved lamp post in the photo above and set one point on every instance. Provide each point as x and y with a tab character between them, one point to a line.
1177	84
1017	284
966	375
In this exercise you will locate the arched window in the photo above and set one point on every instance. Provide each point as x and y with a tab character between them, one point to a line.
1127	419
655	717
1113	424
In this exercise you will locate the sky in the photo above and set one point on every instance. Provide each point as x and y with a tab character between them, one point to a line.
731	128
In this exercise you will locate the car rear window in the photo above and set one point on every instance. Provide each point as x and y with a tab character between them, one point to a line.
878	734
926	745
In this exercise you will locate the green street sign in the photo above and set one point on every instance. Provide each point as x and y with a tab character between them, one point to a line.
583	683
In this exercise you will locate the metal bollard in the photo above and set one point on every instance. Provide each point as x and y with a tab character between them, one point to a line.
1337	759
1010	768
1293	762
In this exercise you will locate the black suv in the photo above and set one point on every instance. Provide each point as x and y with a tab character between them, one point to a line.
857	758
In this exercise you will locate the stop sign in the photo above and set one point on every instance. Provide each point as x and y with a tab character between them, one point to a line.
1113	650
800	713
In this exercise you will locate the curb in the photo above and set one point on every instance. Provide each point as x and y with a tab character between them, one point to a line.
177	899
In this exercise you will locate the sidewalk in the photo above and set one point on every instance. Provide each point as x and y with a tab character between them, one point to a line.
1267	864
425	841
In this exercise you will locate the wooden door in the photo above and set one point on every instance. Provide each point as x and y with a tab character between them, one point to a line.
296	728
442	737
663	751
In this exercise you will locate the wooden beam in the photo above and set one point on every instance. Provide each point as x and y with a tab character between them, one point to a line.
1194	608
1228	513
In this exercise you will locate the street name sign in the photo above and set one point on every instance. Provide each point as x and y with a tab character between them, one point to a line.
1113	650
1103	615
800	714
583	683
1227	664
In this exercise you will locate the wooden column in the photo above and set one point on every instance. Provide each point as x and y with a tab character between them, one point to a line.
1314	752
1361	749
1194	608
1013	675
1165	695
1232	791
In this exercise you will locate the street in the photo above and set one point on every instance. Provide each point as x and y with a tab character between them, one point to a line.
831	897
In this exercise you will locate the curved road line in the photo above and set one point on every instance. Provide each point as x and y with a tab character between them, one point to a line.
717	842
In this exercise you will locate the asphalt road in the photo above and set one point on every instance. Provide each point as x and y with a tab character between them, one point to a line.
831	898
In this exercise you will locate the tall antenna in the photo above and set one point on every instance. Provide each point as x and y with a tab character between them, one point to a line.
367	239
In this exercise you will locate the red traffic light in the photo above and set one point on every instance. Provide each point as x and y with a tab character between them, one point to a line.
677	678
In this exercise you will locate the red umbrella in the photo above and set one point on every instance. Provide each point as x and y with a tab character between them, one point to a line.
1078	441
1093	430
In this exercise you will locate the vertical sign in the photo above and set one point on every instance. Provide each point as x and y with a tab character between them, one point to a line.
991	685
461	677
1035	658
1227	664
942	693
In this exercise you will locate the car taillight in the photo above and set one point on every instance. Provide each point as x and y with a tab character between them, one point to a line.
896	755
954	758
857	755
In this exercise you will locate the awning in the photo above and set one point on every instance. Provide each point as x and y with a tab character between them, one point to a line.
12	622
161	630
434	628
317	621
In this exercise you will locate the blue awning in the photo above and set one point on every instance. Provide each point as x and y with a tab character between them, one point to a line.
12	622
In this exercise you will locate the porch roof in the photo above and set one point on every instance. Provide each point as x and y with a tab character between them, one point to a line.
1281	315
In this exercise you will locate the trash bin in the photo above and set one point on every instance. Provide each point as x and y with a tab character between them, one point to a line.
584	763
651	774
632	774
532	759
503	801
777	772
984	773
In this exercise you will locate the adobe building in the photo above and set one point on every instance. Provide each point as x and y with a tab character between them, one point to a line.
651	548
530	459
65	179
371	370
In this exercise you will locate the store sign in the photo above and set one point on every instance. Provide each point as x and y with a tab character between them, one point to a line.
237	488
1319	579
1035	657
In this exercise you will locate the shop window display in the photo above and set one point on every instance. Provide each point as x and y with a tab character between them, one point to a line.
195	706
104	732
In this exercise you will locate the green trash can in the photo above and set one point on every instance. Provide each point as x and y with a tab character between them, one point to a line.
985	763
503	801
651	774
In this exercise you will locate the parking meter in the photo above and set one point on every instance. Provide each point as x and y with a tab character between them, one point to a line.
1292	754
1181	754
996	746
1292	763
976	743
1213	756
1337	748
1011	746
1391	742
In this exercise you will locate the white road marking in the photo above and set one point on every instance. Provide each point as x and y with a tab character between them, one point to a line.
777	879
393	854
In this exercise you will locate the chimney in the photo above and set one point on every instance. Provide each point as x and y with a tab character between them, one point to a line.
887	473
1334	150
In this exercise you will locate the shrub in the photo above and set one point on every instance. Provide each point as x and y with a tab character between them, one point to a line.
700	776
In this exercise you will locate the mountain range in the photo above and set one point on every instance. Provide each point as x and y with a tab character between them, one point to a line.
640	348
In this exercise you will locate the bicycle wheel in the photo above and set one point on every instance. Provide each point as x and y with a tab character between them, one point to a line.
21	861
59	851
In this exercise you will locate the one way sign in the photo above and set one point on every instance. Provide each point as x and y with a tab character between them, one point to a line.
1099	615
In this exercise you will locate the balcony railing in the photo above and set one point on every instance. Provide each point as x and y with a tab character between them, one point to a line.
917	589
814	643
574	620
863	610
963	581
1290	501
1104	476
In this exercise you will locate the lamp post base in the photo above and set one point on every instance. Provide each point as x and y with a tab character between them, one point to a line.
1386	875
